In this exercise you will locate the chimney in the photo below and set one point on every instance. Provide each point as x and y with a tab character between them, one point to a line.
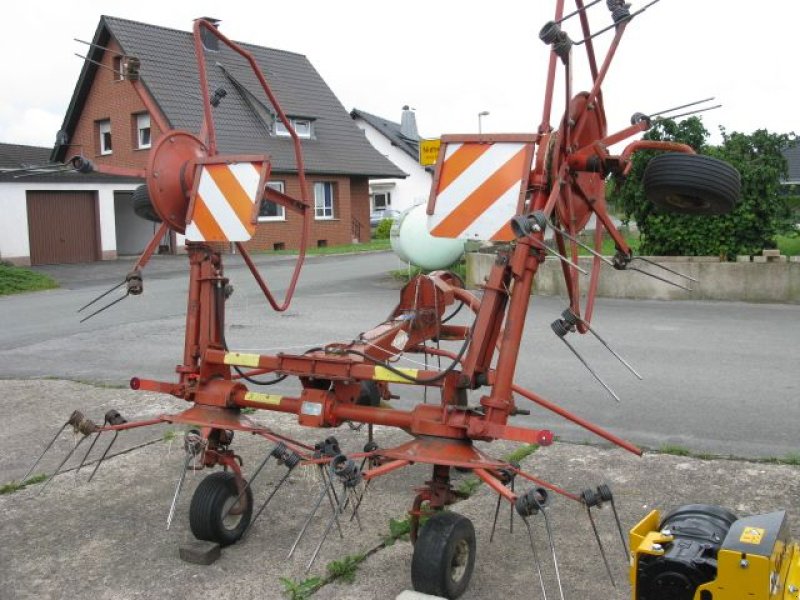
210	41
408	124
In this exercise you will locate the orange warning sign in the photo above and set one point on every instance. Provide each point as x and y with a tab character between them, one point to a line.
478	186
225	201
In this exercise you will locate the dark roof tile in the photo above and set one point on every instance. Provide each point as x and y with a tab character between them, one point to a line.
391	131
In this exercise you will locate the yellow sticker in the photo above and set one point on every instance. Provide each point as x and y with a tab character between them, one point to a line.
752	535
263	398
241	360
384	374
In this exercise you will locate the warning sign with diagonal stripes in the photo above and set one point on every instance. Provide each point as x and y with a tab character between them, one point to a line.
479	186
226	199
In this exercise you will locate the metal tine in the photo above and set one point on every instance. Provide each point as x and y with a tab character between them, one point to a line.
339	508
308	520
604	493
577	12
691	112
248	484
660	266
333	498
535	558
63	462
678	285
109	305
354	497
602	341
358	501
586	247
269	497
178	487
103	295
595	375
102	458
88	452
552	543
561	257
41	456
674	108
511	508
494	522
600	546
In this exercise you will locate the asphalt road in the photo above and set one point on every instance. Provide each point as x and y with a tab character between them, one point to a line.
718	377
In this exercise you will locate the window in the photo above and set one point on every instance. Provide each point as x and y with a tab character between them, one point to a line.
270	211
104	136
119	68
143	130
302	127
381	201
323	200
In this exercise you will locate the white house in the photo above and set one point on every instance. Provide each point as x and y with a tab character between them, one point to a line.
63	217
399	142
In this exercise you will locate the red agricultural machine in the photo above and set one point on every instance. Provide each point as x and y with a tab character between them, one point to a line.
533	194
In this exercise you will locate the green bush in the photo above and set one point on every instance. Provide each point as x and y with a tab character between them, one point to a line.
761	214
383	229
15	280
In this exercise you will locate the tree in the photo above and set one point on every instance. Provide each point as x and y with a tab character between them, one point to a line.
760	215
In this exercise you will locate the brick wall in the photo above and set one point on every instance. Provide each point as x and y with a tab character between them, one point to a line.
119	102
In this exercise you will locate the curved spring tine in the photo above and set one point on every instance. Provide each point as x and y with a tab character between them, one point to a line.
334	518
660	266
595	375
247	485
561	257
109	305
553	550
41	456
609	348
178	487
101	296
535	558
88	452
264	505
102	458
308	521
58	469
494	522
600	546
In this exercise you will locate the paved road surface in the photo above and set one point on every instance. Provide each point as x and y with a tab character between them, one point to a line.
719	377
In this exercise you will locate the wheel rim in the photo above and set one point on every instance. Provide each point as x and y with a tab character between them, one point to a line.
458	565
232	514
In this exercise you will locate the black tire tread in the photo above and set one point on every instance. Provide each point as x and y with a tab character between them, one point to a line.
206	507
693	175
428	574
143	206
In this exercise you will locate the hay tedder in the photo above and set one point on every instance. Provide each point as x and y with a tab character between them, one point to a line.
534	195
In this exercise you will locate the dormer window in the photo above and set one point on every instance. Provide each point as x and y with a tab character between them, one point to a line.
104	136
302	127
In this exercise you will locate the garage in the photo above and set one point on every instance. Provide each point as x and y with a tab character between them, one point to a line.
63	227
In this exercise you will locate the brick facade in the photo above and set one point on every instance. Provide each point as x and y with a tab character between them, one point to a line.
117	101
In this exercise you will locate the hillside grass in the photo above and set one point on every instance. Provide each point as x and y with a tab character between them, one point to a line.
17	280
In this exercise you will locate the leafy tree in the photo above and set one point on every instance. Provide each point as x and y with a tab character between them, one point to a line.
761	213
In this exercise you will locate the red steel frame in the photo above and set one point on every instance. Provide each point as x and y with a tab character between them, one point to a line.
565	183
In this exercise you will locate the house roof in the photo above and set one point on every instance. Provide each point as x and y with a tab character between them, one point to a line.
792	155
244	117
391	131
14	157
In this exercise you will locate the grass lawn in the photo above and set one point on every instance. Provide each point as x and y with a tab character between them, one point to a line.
371	246
15	280
790	246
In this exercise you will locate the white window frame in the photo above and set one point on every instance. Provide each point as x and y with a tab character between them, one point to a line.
387	203
321	211
142	124
281	216
104	127
119	68
302	127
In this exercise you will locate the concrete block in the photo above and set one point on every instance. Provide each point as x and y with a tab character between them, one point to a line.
745	258
794	259
199	552
411	595
759	259
771	252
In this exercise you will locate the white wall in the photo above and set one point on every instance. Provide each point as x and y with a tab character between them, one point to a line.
407	192
14	241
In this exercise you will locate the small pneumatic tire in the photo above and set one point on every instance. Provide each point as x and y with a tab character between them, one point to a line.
143	206
211	501
444	555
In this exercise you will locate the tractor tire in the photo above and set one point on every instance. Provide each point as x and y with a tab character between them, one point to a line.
444	555
142	205
211	501
691	184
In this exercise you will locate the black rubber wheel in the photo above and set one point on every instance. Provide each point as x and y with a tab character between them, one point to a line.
691	184
444	555
142	205
211	501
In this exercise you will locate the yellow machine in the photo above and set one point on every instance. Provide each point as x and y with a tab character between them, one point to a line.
703	552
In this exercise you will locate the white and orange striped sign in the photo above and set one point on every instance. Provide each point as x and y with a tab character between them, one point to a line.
225	201
479	187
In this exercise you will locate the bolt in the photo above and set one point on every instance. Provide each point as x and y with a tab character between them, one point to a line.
656	547
666	532
792	589
744	563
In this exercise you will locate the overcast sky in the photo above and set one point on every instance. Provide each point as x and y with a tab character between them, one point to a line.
449	60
